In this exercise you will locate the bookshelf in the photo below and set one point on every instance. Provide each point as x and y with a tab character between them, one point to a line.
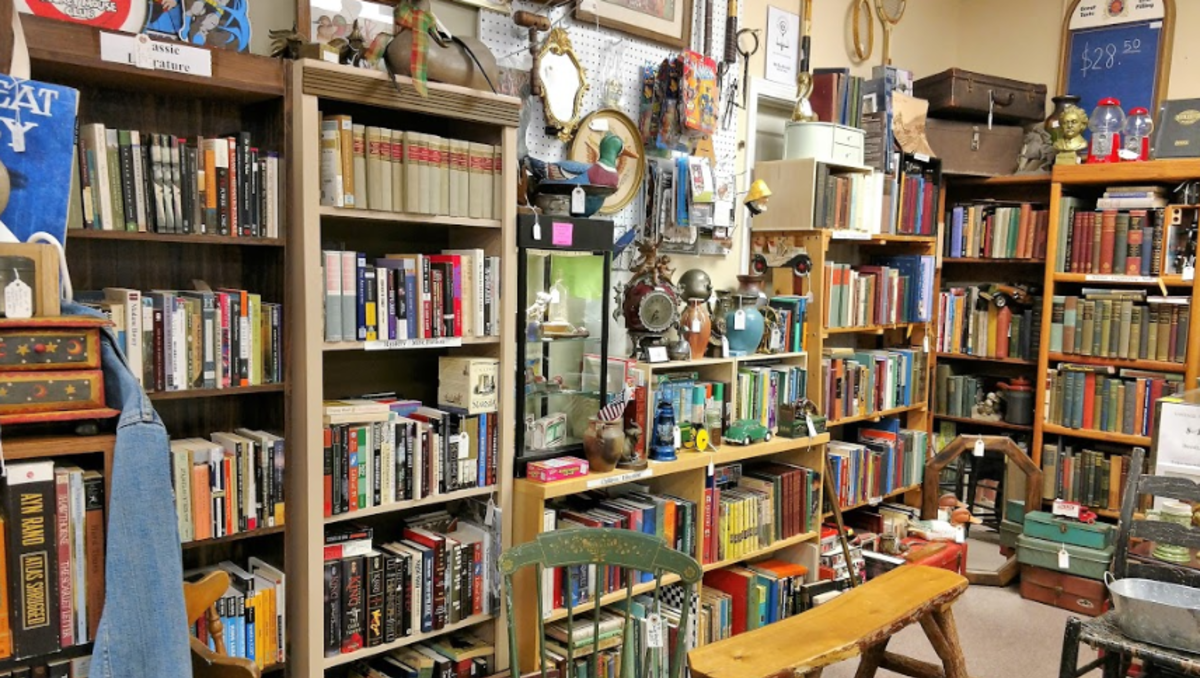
351	368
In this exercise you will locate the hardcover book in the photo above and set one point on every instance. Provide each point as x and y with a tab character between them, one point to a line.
29	504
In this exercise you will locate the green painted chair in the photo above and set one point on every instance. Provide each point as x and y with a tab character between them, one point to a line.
632	552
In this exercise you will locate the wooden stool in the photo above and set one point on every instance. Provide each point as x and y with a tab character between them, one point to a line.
861	620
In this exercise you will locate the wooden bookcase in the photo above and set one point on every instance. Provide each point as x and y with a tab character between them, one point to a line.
327	370
245	93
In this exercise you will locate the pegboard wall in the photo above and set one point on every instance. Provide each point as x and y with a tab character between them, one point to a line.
594	47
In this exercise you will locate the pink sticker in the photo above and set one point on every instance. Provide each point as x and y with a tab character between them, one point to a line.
564	233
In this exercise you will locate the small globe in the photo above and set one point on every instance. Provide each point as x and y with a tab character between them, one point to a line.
695	285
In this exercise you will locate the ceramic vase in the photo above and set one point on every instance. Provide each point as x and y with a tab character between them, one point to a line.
1180	513
751	284
1053	122
604	444
696	326
744	341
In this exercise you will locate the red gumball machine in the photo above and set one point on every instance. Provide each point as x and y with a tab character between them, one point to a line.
1106	124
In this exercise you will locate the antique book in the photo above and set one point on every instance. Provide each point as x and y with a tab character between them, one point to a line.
412	173
374	160
331	164
398	173
1176	134
387	201
359	152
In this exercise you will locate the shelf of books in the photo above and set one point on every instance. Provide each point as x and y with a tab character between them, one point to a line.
1119	291
403	421
191	274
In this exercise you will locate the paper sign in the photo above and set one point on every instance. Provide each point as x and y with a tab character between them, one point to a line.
739	320
164	56
563	234
978	451
1182	446
783	46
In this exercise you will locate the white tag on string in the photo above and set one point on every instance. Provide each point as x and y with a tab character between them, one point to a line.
464	445
678	437
489	515
554	295
578	198
991	106
1189	272
654	631
537	228
1064	558
812	430
724	347
960	535
696	324
711	468
143	51
739	320
18	298
978	451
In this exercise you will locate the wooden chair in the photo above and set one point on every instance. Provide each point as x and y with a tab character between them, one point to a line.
1134	560
632	552
200	599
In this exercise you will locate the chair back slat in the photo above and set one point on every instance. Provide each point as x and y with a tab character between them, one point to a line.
1132	526
627	654
1173	488
541	618
569	597
600	571
1165	533
1145	569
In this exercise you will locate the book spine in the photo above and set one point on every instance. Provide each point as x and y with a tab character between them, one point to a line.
128	189
33	597
112	156
62	538
353	604
375	599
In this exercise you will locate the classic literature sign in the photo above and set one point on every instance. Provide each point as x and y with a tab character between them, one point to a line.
164	56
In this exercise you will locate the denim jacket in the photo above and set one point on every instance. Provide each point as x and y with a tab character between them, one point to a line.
143	631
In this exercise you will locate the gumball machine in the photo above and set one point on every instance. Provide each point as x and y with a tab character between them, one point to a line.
1106	124
1135	143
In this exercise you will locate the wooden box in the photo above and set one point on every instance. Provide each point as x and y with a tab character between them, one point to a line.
57	343
1077	594
956	93
468	383
823	141
1043	525
1082	562
51	391
37	264
971	148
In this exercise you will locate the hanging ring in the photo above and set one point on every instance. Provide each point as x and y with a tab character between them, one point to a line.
753	33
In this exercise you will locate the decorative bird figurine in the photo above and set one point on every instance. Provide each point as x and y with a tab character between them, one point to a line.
601	173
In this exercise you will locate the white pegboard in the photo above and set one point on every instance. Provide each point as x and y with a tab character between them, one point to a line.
592	43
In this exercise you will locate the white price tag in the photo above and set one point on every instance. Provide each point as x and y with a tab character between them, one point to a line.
960	535
724	347
812	430
739	320
537	229
696	324
654	631
464	446
1189	272
578	198
678	437
1064	558
18	300
978	450
143	51
712	469
599	125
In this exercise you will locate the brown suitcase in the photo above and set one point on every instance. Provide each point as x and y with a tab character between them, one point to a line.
973	149
956	93
1077	594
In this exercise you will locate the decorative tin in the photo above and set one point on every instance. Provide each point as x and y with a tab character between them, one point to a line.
1079	561
58	343
1043	525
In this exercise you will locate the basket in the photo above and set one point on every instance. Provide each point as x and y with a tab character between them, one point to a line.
1157	612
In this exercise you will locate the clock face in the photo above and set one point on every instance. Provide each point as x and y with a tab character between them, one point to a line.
657	311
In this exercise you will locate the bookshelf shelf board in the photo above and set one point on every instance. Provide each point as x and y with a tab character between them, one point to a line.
190	239
378	216
1152	172
776	546
1156	365
405	505
872	502
351	657
409	344
39	447
252	534
1107	279
70	53
870	329
985	359
980	422
876	416
703	362
989	261
609	598
1100	436
216	392
686	461
1042	179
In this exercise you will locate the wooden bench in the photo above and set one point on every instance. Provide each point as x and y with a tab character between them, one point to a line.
860	621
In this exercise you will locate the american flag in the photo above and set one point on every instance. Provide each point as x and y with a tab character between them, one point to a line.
616	409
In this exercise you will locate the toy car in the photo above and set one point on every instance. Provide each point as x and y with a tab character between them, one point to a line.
746	431
1003	295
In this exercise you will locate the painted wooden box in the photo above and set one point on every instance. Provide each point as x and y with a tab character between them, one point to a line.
50	369
1046	526
1077	594
1080	561
56	343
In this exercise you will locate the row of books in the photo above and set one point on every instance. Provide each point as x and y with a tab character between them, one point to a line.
916	198
1124	324
438	573
1091	398
754	506
176	340
763	388
990	230
1112	242
376	168
748	597
793	321
957	395
76	667
253	611
860	383
387	450
230	484
53	543
694	400
160	183
669	517
1090	477
893	290
601	655
969	322
885	459
457	655
845	201
411	296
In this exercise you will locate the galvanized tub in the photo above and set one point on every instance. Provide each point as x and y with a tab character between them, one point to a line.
1157	612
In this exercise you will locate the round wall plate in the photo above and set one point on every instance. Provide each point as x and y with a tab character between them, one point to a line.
631	164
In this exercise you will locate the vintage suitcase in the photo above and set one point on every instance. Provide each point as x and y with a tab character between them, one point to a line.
1083	596
971	148
1009	531
1046	526
946	555
956	93
1082	562
1014	510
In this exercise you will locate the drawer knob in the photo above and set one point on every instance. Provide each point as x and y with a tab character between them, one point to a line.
39	348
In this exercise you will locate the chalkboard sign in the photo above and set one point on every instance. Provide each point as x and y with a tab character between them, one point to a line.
1116	48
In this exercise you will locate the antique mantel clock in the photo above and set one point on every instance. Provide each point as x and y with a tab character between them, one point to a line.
649	302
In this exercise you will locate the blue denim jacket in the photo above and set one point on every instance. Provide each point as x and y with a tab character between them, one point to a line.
143	631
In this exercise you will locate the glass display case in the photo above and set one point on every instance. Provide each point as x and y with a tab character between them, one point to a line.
563	282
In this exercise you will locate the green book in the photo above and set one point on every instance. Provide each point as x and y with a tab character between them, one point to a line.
1120	243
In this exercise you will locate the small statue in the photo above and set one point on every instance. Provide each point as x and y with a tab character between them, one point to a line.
351	48
989	409
286	43
1037	155
803	110
1073	122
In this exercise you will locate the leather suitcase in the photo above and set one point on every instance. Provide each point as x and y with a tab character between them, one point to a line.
971	148
1009	531
1083	562
966	95
1046	526
1079	595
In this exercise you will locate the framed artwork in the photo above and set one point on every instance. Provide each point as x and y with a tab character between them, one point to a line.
333	19
666	21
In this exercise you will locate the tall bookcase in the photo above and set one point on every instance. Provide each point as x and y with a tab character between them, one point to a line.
1087	182
244	93
346	369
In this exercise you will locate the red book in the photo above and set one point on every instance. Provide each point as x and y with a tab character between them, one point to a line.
437	543
62	540
1003	323
1039	240
1089	398
1133	256
1076	243
824	96
926	225
737	586
453	263
709	501
1108	233
327	477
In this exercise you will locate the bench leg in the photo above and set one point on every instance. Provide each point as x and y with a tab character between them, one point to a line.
939	629
870	660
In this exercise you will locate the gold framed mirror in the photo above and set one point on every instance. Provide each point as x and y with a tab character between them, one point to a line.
563	82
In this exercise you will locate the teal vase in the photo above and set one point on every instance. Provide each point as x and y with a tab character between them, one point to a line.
745	341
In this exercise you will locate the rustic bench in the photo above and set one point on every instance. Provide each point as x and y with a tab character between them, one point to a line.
860	621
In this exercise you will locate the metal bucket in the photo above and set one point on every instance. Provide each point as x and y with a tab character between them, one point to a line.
1157	612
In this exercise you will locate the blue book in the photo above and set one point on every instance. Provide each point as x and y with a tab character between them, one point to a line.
360	274
956	232
38	150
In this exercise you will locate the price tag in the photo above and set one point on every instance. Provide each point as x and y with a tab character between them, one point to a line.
554	296
739	320
991	106
696	324
654	631
678	437
1064	558
776	339
724	347
464	446
1189	272
925	343
578	197
537	228
711	468
812	430
18	299
143	51
960	535
978	450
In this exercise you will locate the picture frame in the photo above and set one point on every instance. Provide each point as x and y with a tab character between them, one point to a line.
38	266
670	25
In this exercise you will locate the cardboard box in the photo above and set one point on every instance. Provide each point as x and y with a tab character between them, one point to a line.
468	383
556	469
